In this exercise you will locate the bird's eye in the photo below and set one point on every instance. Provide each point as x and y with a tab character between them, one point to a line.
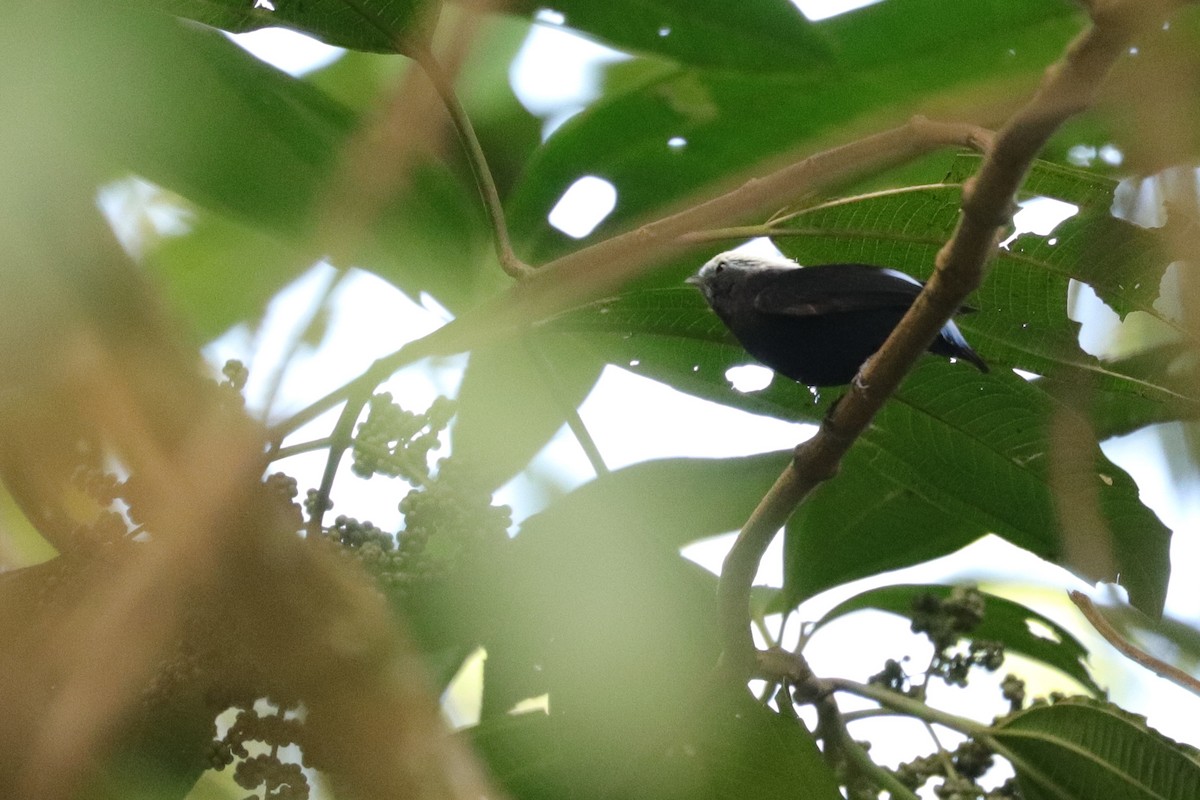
720	267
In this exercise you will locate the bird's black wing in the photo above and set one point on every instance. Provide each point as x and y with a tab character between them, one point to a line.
833	289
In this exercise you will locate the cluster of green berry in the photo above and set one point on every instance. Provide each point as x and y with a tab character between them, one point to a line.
945	622
446	521
453	515
448	513
394	442
392	567
278	779
958	774
283	490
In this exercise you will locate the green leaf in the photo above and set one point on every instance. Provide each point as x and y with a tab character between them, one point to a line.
1082	187
221	273
602	613
673	501
432	239
1003	621
176	104
1121	261
382	26
608	554
891	60
1118	412
1077	748
515	396
753	35
738	750
948	460
1023	319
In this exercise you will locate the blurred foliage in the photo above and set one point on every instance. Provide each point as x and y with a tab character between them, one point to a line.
589	604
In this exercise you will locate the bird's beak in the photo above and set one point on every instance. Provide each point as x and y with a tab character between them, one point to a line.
694	280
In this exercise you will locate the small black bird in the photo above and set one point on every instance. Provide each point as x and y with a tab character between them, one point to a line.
816	325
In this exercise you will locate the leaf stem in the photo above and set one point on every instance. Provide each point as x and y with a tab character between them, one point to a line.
512	266
909	707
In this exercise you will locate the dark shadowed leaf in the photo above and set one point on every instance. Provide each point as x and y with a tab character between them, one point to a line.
182	107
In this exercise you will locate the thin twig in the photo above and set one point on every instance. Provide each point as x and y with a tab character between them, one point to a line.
1128	648
297	449
879	776
298	336
942	754
340	440
1067	88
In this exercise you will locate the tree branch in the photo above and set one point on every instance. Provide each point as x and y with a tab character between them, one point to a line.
1068	87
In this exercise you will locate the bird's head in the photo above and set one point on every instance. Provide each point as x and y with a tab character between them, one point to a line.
723	273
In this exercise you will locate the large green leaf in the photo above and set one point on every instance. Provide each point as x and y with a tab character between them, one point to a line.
96	91
1122	262
755	35
948	460
221	273
1114	411
1083	187
891	59
672	501
1077	749
596	607
432	238
176	104
595	582
375	25
1003	621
